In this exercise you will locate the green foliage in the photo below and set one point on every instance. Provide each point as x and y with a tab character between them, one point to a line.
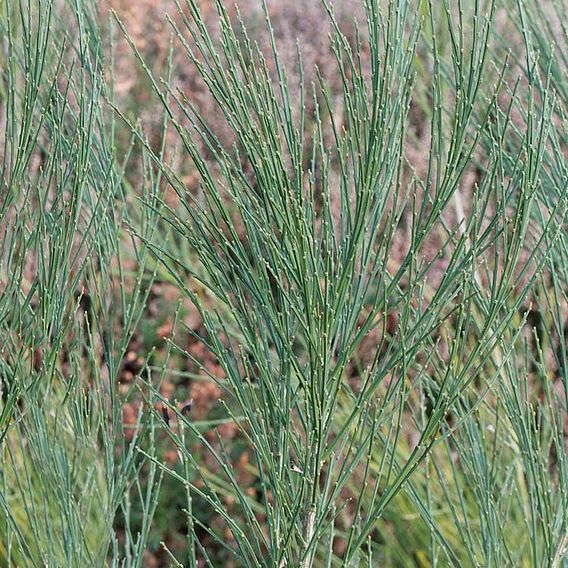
65	463
313	233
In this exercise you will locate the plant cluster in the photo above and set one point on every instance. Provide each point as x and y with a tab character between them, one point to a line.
366	265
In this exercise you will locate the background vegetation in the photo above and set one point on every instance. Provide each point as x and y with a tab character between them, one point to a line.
283	284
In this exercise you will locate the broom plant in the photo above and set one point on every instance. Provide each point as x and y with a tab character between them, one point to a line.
371	316
295	237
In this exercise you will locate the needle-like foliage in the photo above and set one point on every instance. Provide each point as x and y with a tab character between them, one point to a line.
295	234
66	465
314	238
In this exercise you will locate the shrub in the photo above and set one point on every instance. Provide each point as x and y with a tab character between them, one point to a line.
365	249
